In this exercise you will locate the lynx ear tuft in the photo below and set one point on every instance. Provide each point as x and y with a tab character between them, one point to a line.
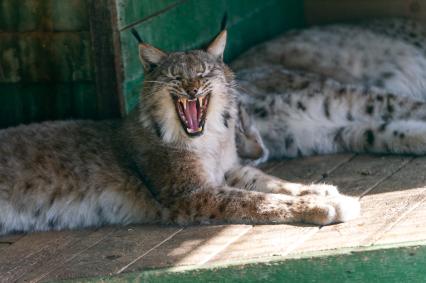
150	56
136	35
224	23
217	46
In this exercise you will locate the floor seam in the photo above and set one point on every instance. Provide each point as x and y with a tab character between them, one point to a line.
364	193
302	240
388	227
225	246
147	252
337	166
38	279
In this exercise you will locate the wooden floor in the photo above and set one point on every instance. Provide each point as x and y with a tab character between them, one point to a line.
392	190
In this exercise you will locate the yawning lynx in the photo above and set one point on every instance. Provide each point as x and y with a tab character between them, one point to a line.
173	160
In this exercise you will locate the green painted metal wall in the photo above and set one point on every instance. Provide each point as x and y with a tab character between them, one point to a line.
180	25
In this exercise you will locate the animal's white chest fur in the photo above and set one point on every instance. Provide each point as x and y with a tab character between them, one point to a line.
217	155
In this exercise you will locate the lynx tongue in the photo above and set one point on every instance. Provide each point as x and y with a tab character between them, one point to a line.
191	114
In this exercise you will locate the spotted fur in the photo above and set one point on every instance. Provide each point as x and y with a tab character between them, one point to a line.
146	168
339	88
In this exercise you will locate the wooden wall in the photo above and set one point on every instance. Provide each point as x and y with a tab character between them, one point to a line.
47	62
181	25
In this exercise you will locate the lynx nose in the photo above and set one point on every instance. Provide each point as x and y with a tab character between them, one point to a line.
192	91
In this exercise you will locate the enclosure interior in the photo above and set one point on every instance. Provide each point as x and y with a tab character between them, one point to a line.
77	59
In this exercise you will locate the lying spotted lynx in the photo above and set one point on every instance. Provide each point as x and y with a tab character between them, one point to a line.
359	88
173	160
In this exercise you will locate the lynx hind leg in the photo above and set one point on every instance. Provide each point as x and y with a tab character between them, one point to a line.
242	206
253	179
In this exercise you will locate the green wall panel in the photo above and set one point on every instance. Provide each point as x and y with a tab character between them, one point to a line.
34	57
43	15
46	61
193	23
25	103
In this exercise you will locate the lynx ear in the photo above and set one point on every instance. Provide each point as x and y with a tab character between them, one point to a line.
217	46
150	56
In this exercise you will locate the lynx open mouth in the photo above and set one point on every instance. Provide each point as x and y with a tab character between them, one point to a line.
192	113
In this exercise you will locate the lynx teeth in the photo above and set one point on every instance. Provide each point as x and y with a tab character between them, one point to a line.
183	101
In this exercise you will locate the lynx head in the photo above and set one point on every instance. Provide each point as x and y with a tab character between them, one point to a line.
187	94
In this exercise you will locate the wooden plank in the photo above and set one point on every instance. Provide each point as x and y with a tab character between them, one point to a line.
45	15
328	11
15	256
7	240
11	238
389	265
365	172
378	213
102	31
193	246
264	241
34	250
249	21
309	169
41	56
391	208
111	254
25	103
4	245
411	227
381	207
42	268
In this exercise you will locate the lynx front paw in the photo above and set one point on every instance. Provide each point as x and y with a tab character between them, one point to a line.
332	210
